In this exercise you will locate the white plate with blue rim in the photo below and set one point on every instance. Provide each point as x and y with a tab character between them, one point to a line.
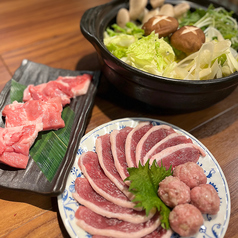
214	226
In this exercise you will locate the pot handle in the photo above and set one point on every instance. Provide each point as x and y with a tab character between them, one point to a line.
88	24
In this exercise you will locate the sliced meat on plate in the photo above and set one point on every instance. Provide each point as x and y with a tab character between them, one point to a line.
104	152
15	143
86	196
89	165
33	112
168	141
132	140
118	140
64	87
151	137
98	225
158	233
178	154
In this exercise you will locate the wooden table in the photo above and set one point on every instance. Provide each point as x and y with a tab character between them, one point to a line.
48	32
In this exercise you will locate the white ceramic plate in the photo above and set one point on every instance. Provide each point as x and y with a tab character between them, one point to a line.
214	226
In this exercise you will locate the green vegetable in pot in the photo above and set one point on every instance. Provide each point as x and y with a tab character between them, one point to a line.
150	54
218	18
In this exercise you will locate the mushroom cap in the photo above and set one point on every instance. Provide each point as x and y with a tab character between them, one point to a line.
188	39
163	25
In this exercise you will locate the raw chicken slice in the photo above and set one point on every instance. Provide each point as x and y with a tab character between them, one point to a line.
64	87
15	143
178	154
104	152
168	141
99	225
151	137
86	196
118	140
132	140
33	112
89	165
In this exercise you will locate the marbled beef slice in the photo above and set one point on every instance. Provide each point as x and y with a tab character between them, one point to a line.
35	111
15	143
64	87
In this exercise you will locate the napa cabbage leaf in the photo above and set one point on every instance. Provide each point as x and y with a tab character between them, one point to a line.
150	54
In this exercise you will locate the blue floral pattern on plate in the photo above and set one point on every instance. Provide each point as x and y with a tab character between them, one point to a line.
214	226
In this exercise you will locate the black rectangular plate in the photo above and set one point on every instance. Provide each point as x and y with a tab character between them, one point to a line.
32	179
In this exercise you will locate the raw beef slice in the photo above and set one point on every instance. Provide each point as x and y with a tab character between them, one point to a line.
15	143
79	84
64	87
33	112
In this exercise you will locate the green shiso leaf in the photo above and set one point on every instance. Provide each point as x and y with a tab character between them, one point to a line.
50	147
144	185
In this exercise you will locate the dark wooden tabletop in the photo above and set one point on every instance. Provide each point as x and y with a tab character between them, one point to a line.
48	32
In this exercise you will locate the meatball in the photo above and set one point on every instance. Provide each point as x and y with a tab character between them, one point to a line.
185	219
172	191
191	174
206	199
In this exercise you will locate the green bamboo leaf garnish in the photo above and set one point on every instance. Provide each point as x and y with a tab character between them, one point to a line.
16	93
50	147
144	185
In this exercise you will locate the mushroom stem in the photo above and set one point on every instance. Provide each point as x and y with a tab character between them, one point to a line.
136	7
180	9
156	3
150	14
122	17
167	10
